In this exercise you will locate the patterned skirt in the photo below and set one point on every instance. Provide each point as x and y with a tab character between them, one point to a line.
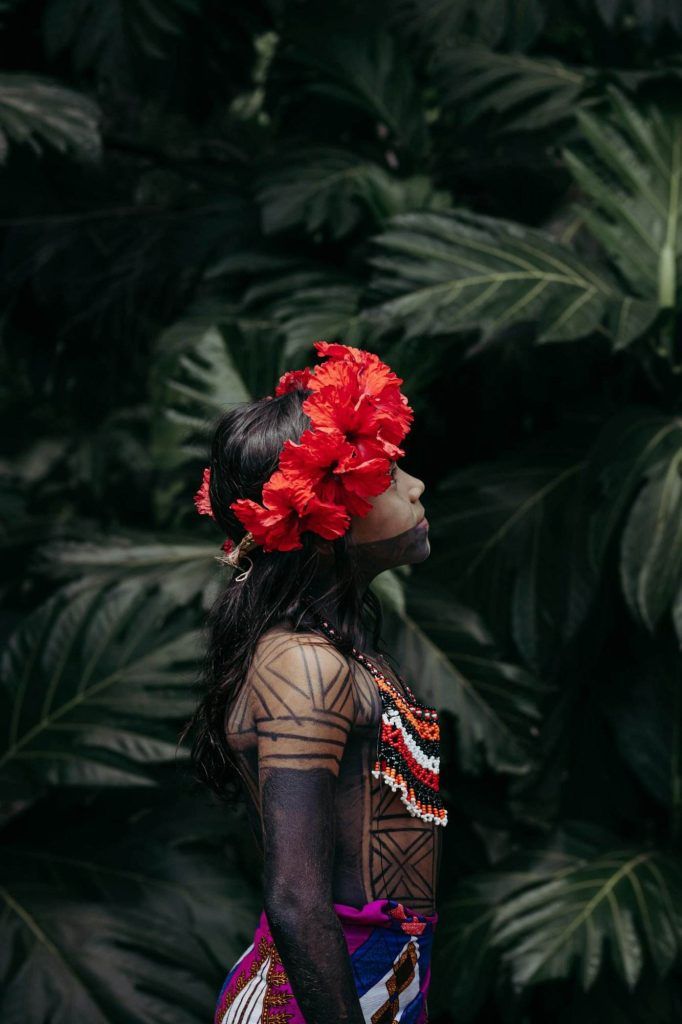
390	951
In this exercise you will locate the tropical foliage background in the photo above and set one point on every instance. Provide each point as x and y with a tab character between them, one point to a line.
487	194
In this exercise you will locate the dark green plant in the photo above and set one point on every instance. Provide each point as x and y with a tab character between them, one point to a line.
489	196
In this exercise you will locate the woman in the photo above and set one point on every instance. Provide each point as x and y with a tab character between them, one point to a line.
338	758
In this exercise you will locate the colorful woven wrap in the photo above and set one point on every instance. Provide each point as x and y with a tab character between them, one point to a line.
390	952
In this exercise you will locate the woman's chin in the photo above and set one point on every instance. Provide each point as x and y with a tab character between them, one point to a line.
422	552
418	551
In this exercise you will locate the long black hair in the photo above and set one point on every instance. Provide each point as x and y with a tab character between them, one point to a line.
245	449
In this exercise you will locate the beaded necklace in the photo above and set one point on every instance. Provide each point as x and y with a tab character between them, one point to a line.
408	746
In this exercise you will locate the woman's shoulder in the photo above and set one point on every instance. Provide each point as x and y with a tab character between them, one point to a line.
285	652
285	642
301	671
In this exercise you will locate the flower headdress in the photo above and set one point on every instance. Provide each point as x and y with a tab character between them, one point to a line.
358	417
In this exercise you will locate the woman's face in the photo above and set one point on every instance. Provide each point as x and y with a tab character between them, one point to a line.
396	531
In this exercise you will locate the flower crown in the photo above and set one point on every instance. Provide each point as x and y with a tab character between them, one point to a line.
358	417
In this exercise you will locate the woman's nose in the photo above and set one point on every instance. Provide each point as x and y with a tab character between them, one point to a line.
417	489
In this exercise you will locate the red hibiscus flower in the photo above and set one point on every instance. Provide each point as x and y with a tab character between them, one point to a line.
373	378
202	500
334	470
363	385
358	418
363	422
289	509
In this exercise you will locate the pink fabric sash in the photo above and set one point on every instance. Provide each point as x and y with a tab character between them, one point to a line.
390	952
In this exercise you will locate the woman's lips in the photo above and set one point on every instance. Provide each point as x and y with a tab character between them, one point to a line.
423	524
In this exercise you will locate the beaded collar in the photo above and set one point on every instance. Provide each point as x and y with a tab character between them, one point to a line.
408	746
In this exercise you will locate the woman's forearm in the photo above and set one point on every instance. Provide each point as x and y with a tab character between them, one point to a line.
304	707
315	957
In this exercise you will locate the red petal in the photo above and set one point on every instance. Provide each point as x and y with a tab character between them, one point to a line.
342	409
293	380
327	519
272	530
367	478
316	455
284	492
375	373
334	350
202	500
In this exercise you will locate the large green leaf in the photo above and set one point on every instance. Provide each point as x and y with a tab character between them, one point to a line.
208	362
569	911
95	683
202	366
122	275
303	304
108	34
524	93
194	380
633	182
447	26
36	112
651	546
641	15
495	526
334	191
389	587
560	912
366	71
444	272
132	913
643	704
455	664
628	445
181	570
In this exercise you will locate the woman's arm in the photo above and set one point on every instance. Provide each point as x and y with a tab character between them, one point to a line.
303	705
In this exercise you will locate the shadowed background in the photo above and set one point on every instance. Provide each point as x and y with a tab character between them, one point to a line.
487	194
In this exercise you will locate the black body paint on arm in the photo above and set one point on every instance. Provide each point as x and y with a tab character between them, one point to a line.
303	705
